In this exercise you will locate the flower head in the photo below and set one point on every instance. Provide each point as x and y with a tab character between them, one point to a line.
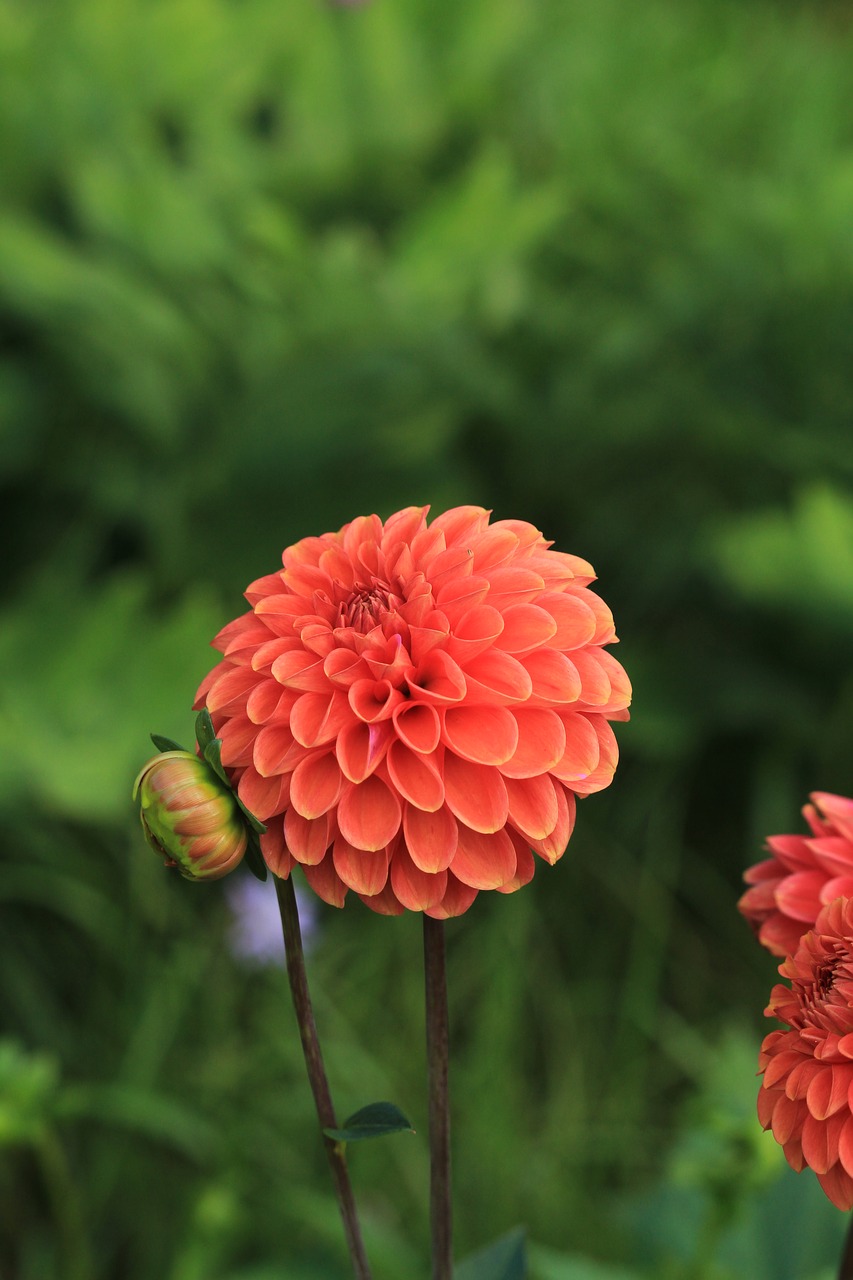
189	816
806	1096
804	874
412	708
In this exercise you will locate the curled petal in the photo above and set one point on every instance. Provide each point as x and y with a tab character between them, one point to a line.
458	897
484	735
417	778
417	890
431	838
316	785
476	793
364	870
484	861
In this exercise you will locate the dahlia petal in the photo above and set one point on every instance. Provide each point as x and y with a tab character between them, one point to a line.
318	637
416	777
833	853
402	527
458	596
276	751
307	838
364	870
595	689
583	750
779	1066
418	725
553	846
541	743
278	612
417	890
574	620
827	1092
525	627
238	736
438	679
343	667
269	584
495	677
837	809
385	903
845	1144
484	861
799	895
268	701
326	883
431	838
838	1186
432	629
476	631
525	865
793	1152
485	735
316	785
373	700
620	686
235	631
231	688
361	747
493	547
450	567
513	584
369	816
554	677
605	632
275	851
456	901
533	808
816	1145
608	757
266	654
801	1076
317	718
297	669
461	524
264	797
476	793
845	1045
767	1099
793	852
787	1118
336	565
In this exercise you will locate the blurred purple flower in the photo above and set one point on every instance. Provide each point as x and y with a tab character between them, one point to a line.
255	933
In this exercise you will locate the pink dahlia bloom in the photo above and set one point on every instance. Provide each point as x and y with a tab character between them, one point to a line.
412	708
806	1095
804	874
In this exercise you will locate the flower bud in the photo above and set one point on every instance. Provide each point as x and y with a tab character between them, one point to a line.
190	816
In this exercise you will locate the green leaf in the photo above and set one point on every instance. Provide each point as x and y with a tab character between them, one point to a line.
506	1259
257	826
212	754
372	1121
204	730
254	860
165	744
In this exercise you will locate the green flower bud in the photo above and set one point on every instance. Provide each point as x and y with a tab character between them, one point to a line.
189	816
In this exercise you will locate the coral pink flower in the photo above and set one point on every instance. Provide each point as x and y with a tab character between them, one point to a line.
803	875
806	1096
412	708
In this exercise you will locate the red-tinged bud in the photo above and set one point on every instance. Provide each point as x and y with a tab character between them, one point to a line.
189	816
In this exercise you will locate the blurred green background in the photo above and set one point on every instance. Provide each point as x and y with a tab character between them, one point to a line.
269	264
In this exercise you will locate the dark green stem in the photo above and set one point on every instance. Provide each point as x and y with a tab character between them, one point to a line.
845	1271
295	957
441	1217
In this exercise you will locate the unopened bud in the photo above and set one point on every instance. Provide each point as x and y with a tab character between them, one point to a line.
189	816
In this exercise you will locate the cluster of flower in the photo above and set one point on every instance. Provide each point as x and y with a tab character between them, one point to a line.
800	904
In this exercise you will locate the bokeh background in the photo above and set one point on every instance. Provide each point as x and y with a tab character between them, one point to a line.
269	264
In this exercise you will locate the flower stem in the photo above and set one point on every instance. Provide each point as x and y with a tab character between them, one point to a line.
295	958
845	1271
441	1218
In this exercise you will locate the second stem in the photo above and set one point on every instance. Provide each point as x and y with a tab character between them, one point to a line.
437	1043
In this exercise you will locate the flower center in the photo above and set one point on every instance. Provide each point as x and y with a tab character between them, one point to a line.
367	606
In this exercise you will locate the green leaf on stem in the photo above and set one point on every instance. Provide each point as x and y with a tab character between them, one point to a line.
204	730
506	1259
254	859
372	1121
166	744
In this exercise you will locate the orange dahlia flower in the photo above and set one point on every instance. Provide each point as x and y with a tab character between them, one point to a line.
806	1095
412	708
804	874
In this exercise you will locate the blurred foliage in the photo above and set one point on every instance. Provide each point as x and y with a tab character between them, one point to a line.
264	267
